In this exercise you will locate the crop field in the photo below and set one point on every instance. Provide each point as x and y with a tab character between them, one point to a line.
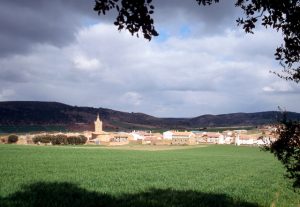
101	176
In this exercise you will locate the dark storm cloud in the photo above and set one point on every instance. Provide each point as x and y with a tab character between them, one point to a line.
206	19
212	13
60	50
25	23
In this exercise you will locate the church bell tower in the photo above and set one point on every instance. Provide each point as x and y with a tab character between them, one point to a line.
98	125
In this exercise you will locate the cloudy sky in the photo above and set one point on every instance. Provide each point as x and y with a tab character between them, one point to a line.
201	63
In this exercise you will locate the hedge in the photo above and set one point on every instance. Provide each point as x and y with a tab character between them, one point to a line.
59	139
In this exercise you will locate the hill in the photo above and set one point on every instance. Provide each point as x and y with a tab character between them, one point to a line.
31	113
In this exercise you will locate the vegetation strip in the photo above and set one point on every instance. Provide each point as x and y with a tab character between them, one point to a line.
208	176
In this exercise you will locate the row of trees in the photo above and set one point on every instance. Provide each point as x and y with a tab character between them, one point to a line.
59	139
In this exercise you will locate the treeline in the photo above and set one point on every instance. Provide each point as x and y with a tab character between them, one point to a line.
59	139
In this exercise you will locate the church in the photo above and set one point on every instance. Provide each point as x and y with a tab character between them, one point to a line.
100	135
104	138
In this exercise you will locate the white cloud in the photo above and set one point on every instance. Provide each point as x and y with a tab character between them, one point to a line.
279	87
199	74
131	98
268	89
84	63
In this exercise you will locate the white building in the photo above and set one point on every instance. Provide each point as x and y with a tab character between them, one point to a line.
213	137
244	139
168	135
137	135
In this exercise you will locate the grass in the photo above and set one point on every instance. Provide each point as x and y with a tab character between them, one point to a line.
100	176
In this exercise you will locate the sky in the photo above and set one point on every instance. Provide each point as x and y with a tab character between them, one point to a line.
202	62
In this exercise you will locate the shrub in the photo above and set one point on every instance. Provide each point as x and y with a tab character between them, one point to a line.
83	139
72	140
36	139
42	139
60	139
76	140
46	139
12	139
3	139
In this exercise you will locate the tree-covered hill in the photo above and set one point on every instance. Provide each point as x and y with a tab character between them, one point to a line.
23	113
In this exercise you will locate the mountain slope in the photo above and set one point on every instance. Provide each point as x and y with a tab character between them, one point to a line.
18	113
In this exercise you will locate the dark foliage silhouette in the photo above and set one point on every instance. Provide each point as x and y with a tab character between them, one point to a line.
67	194
12	139
282	15
287	148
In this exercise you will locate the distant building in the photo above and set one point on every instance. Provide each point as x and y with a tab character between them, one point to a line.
119	138
200	138
137	135
214	137
100	136
98	125
229	137
245	139
168	135
183	138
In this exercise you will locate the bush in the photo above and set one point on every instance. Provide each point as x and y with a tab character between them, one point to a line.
60	139
41	139
76	140
3	139
36	139
12	139
83	139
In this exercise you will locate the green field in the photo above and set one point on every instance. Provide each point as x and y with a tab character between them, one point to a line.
99	176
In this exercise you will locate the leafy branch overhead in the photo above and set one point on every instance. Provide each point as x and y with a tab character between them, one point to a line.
281	15
132	15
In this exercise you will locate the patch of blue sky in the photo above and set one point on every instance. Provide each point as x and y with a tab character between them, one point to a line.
184	31
162	37
90	21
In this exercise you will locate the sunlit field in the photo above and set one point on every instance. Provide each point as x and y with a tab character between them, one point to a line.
100	176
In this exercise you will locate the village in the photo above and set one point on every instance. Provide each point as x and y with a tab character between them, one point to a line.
264	136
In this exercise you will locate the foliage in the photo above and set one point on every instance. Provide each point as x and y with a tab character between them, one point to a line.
12	139
282	15
45	139
253	176
59	139
287	148
132	15
75	140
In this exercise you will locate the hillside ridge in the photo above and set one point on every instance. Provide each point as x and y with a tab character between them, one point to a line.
17	113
